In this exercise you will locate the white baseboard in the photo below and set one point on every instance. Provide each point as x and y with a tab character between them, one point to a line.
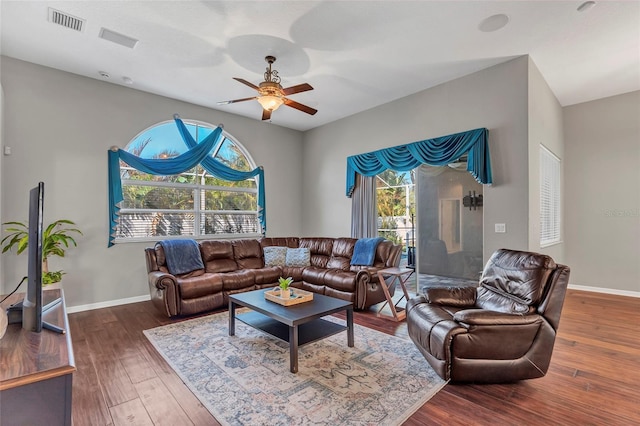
605	290
107	304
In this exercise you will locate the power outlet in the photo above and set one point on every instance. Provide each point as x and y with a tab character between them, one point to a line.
501	228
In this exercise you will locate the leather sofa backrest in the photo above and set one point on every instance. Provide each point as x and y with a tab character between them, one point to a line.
514	281
248	254
341	253
161	262
291	242
320	250
217	256
387	255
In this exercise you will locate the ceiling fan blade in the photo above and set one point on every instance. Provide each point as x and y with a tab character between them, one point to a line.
266	114
299	106
236	100
243	81
297	89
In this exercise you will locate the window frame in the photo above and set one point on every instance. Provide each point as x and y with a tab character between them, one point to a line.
550	198
197	189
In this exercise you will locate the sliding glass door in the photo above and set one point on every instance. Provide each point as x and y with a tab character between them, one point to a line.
449	222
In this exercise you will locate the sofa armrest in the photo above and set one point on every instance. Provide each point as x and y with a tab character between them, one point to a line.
163	289
451	296
487	317
363	281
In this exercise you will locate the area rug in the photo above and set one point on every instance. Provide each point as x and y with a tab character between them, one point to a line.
245	379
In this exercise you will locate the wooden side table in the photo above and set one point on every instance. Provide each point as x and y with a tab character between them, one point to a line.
393	276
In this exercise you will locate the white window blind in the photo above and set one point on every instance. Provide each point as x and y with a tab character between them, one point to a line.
549	198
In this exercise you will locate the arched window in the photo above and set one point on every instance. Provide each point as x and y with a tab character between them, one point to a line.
192	204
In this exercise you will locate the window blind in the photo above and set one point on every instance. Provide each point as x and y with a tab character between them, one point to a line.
549	198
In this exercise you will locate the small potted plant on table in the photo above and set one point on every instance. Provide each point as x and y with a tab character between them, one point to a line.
285	290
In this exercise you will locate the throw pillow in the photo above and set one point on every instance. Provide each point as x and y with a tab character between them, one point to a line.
298	257
274	256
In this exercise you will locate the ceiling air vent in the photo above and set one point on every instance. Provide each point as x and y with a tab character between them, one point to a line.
118	38
66	20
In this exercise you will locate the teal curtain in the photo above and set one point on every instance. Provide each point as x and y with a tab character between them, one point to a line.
198	153
435	152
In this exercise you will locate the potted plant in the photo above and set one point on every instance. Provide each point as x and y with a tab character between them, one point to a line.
56	239
284	283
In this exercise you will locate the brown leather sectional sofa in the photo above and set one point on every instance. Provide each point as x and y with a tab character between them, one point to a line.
234	266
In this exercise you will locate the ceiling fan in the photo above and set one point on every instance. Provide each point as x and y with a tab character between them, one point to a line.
271	94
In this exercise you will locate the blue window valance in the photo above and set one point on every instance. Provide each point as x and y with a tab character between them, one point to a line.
435	152
198	153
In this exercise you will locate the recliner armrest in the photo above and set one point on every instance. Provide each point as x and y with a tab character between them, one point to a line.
451	296
487	317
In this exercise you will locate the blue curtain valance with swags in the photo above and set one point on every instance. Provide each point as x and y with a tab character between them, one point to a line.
435	152
198	153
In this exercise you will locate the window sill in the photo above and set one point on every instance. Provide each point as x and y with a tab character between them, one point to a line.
555	243
198	238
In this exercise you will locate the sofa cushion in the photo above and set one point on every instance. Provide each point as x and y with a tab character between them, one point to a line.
267	275
383	255
314	275
218	256
274	256
243	279
320	249
341	254
513	281
340	280
294	272
203	285
299	257
248	254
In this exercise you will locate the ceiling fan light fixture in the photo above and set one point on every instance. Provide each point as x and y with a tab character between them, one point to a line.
271	95
270	102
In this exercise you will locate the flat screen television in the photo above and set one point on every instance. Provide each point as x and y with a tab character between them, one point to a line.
32	307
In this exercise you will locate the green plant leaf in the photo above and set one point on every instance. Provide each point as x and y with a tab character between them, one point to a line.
52	277
55	238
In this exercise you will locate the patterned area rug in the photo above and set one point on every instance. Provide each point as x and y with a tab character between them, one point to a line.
245	379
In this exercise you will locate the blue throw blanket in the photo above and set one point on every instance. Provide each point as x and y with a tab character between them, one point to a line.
182	256
364	252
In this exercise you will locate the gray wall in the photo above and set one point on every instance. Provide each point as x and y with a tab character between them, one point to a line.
545	127
495	98
602	172
60	126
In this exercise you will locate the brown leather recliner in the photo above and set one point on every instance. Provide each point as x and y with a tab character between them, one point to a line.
501	331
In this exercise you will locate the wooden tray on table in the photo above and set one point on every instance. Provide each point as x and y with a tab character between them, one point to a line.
299	296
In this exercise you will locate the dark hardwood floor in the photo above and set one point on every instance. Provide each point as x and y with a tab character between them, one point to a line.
594	377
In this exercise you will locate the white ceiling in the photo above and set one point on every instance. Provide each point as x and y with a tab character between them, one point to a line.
356	54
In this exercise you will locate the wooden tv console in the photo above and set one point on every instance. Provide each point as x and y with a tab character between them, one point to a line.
36	369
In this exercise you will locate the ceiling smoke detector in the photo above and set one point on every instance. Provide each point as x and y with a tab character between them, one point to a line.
66	20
